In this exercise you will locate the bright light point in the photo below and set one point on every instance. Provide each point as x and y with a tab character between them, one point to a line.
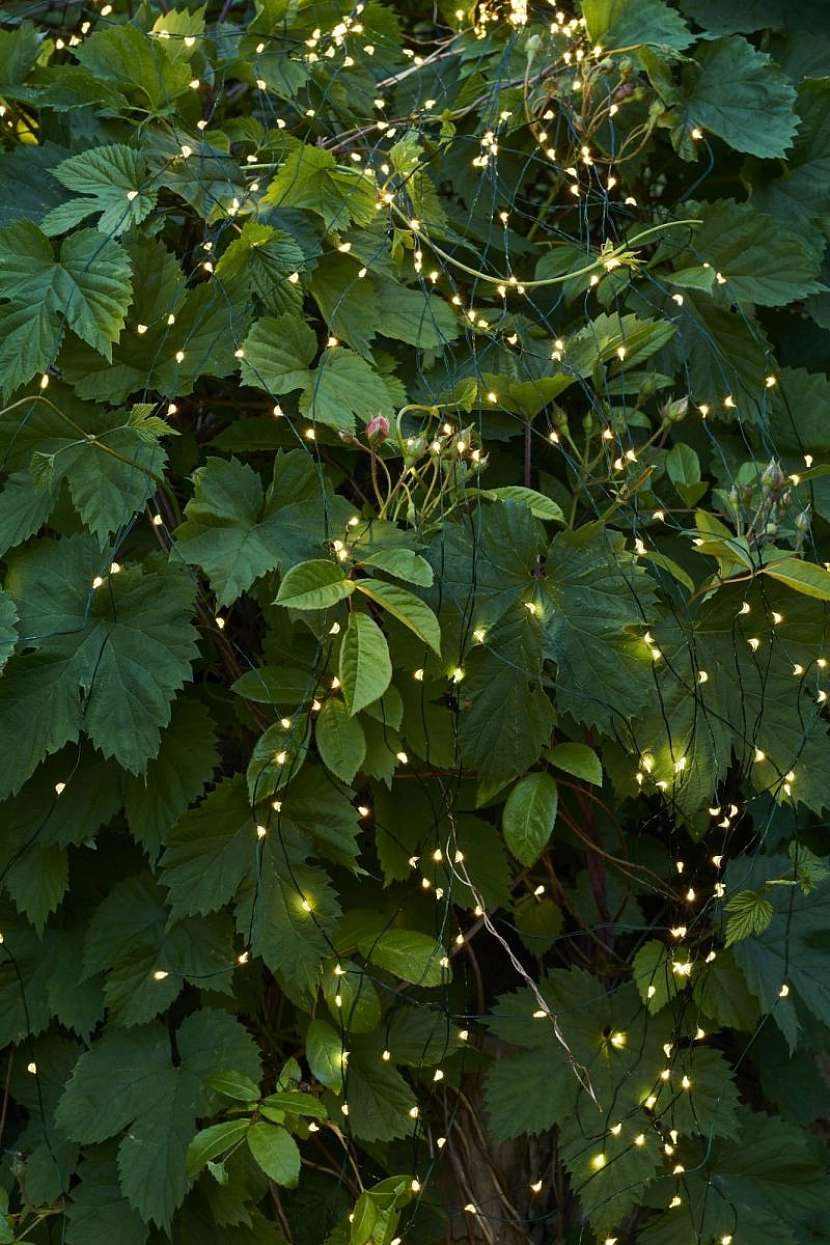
618	1040
702	676
261	832
784	991
640	1139
598	1161
159	974
402	757
418	676
686	1083
32	1068
305	905
540	1014
60	787
536	1186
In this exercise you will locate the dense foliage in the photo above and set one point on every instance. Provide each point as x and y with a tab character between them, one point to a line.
415	626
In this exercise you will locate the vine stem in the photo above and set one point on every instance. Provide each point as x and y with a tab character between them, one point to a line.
619	253
91	439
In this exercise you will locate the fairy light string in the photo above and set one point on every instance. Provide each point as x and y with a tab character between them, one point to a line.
483	303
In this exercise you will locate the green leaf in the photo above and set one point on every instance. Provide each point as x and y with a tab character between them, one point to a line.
378	1098
764	261
540	506
324	1052
288	911
415	317
577	759
529	815
599	594
235	1085
237	532
749	913
406	607
136	63
408	954
539	923
276	1152
116	179
791	950
177	776
265	258
88	289
207	854
310	178
314	585
365	669
403	564
108	661
363	1220
653	975
803	577
296	1103
740	95
621	23
277	358
340	740
127	1081
213	1141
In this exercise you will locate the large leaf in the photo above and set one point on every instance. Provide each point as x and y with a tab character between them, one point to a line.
128	1081
88	288
116	179
105	660
621	23
740	94
237	531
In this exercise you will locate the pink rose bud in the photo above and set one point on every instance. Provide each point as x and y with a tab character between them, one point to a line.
377	429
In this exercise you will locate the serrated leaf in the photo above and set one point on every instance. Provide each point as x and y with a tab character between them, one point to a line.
749	913
115	178
310	178
108	662
236	531
741	95
764	261
89	289
623	23
136	63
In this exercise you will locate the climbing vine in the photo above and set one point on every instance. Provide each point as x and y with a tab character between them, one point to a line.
414	622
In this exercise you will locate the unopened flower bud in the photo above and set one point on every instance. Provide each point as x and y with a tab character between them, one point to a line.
377	429
673	412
